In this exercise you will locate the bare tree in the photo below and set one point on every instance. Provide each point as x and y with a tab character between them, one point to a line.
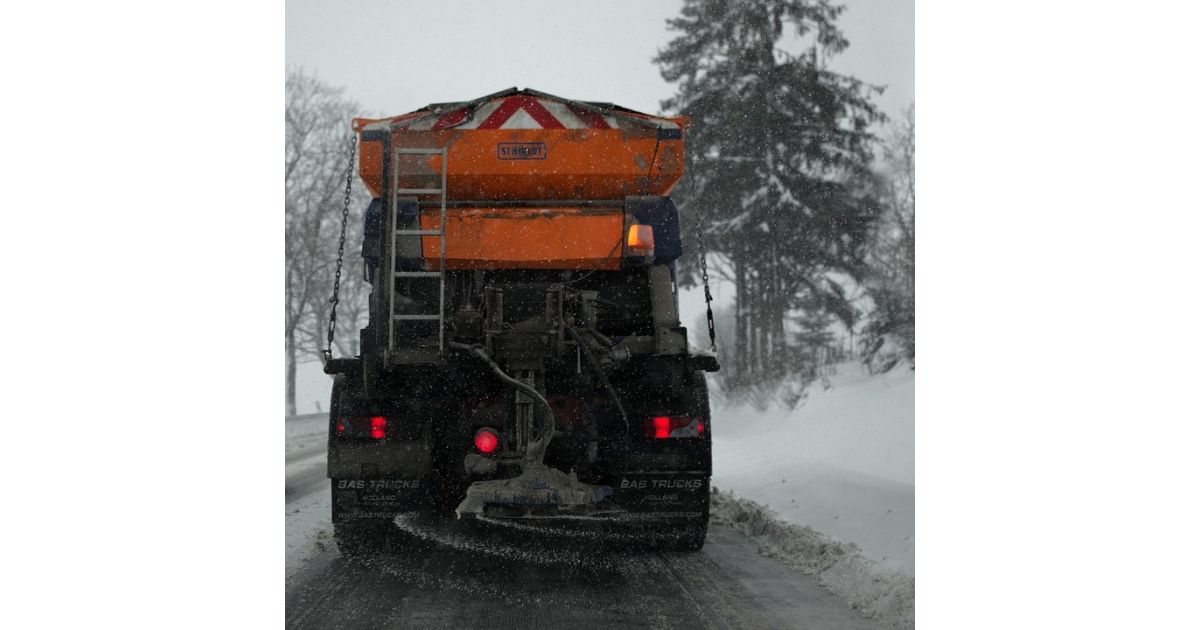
317	142
890	334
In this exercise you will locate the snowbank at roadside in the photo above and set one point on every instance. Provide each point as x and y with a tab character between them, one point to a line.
842	462
307	527
308	530
879	593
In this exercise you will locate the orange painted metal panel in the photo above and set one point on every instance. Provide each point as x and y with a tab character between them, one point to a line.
526	238
370	165
533	164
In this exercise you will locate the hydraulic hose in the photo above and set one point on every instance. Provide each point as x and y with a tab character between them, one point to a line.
525	388
587	351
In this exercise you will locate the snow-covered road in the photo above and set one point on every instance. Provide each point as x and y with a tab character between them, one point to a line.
448	575
305	464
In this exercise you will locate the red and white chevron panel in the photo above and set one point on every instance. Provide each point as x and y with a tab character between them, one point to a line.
518	112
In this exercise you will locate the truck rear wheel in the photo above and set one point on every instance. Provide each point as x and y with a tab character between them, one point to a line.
689	535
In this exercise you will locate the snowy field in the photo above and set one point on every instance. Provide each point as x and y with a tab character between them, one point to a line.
306	433
840	463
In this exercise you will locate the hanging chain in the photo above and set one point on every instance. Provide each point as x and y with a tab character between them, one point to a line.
712	327
337	276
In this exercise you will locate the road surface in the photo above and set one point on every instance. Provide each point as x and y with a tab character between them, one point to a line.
445	574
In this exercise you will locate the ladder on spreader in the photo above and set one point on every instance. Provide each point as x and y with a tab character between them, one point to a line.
399	354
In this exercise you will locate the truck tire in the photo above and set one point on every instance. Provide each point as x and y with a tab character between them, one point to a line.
689	534
355	539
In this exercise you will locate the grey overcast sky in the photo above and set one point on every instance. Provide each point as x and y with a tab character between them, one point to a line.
394	56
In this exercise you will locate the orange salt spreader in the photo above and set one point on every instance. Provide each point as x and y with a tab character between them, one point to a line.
524	357
529	180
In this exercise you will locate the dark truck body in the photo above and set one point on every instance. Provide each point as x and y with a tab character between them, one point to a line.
538	313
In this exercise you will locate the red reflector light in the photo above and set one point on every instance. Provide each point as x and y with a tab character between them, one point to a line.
664	427
378	427
486	440
362	427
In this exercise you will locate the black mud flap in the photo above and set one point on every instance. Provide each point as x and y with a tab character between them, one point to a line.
654	496
372	499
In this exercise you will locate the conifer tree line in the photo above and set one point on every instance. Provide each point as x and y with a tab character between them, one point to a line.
783	190
796	201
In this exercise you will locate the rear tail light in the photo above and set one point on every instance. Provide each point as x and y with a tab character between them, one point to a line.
667	427
373	427
640	241
487	440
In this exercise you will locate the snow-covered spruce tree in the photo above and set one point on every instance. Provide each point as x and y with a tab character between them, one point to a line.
777	156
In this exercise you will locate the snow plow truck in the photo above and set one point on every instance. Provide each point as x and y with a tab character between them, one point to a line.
523	358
